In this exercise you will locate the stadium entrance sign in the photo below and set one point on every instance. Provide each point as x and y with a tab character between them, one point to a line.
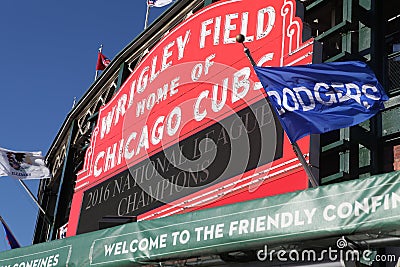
190	128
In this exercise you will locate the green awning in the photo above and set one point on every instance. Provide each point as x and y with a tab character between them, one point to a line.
357	206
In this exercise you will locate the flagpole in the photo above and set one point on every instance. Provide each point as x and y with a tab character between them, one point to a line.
240	39
47	219
9	230
97	71
146	21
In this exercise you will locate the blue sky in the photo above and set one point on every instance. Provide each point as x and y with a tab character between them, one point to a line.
49	52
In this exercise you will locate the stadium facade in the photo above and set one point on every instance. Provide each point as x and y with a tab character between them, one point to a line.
254	206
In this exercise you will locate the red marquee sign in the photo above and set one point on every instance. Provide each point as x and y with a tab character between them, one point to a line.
190	128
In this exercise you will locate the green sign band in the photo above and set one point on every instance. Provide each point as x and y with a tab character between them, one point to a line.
363	205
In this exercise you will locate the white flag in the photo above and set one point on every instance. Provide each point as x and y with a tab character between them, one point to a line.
159	3
23	165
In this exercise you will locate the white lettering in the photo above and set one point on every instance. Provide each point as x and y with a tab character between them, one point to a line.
197	115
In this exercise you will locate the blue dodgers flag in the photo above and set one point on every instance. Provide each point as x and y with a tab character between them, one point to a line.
319	98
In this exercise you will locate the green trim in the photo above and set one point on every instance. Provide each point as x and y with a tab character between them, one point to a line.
345	56
337	177
337	146
333	30
208	2
315	4
347	10
94	116
122	76
60	187
337	57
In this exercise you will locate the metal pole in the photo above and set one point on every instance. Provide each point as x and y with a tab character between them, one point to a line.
35	200
97	72
248	54
9	230
147	16
74	102
305	165
240	39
